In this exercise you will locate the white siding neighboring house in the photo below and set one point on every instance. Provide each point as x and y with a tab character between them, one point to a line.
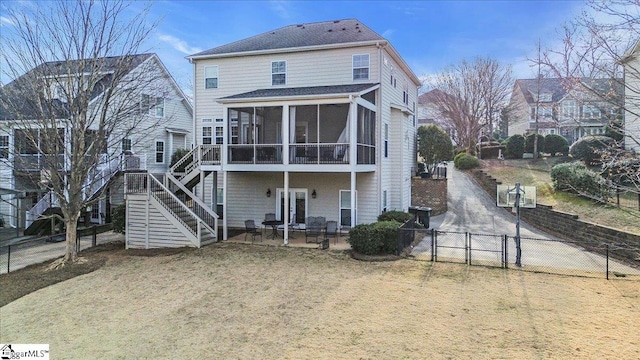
631	62
301	121
164	125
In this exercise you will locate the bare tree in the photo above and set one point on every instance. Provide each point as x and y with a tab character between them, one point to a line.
74	90
595	45
471	97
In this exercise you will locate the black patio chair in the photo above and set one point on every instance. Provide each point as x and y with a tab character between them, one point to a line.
314	227
331	230
252	230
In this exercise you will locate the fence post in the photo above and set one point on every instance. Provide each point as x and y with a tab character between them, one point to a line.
435	247
467	248
506	251
618	195
9	258
607	247
94	239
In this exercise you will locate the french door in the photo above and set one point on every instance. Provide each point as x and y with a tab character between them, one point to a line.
297	206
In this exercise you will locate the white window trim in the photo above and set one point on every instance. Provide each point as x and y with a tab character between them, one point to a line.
368	67
340	208
215	135
385	129
155	151
155	107
130	144
217	77
5	147
279	73
210	136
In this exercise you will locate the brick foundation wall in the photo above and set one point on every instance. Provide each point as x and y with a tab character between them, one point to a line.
565	225
429	193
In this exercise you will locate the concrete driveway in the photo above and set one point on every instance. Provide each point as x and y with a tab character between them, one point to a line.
472	210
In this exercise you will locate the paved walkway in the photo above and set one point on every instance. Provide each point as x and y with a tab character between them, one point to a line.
36	251
471	209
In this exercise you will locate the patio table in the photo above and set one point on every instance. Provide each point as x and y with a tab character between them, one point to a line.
274	227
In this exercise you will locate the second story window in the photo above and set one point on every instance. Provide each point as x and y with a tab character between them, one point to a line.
207	135
278	72
126	145
590	111
4	146
211	77
152	106
569	108
361	67
219	135
405	94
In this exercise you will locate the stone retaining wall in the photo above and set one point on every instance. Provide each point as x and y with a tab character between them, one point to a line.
565	225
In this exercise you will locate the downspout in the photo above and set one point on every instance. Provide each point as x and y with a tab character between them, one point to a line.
194	140
379	129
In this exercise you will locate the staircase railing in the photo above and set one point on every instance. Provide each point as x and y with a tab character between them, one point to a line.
199	155
48	200
196	205
138	183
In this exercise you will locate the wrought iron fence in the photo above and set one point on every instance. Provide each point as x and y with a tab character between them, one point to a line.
593	259
17	255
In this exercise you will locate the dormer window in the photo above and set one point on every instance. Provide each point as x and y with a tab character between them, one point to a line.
58	93
545	97
278	72
361	67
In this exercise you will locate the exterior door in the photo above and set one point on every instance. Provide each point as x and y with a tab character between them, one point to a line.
297	206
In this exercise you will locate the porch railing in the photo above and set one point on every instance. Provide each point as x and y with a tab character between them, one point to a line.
255	154
37	162
194	203
319	153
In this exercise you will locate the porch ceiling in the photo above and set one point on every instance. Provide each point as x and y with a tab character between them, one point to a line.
310	91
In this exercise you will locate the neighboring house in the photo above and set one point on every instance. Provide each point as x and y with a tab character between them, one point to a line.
313	119
428	112
573	110
164	124
631	63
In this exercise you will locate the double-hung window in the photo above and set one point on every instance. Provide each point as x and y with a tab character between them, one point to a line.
386	140
207	135
152	106
159	151
211	77
126	144
361	67
345	207
4	146
219	135
278	72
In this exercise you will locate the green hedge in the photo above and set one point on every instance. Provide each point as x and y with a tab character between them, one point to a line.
375	239
395	215
529	141
556	144
466	162
575	177
515	147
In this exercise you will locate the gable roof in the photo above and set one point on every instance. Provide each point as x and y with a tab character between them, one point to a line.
14	92
559	88
300	35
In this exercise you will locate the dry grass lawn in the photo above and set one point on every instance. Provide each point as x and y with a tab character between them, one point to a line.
234	301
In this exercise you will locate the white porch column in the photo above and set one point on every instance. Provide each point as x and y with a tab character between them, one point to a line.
285	134
353	198
225	201
353	133
285	213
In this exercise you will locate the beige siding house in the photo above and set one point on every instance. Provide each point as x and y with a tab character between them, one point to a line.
572	108
307	120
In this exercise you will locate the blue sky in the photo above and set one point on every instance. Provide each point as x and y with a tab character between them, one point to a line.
428	34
